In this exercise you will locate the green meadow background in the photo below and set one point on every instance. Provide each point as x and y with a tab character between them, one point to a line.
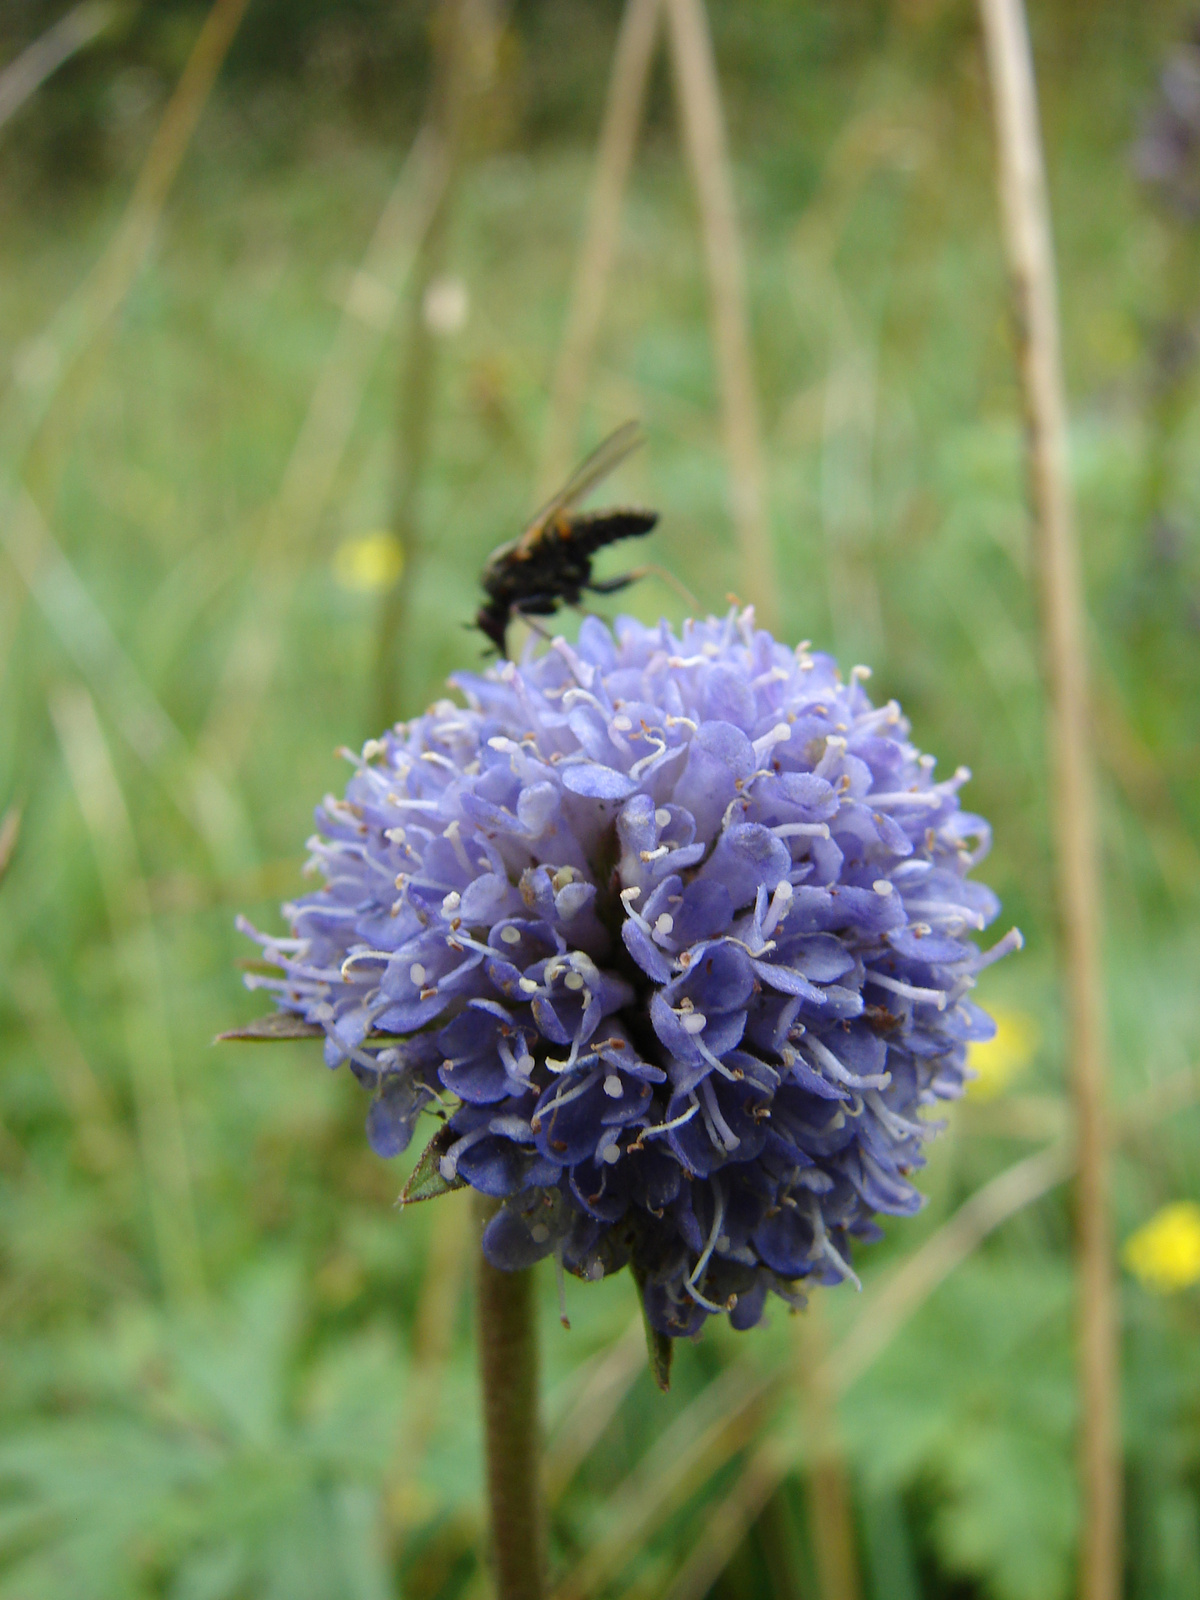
229	1367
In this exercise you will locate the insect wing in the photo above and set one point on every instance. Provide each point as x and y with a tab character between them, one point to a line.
604	459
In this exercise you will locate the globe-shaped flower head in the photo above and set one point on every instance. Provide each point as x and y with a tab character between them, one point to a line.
673	933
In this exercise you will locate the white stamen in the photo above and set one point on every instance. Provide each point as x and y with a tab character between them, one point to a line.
697	1271
778	734
842	1074
451	832
883	887
694	1022
909	990
664	924
527	986
561	1282
613	1087
573	980
662	816
417	974
780	901
640	766
510	935
665	1127
1014	939
947	910
451	903
722	1133
910	797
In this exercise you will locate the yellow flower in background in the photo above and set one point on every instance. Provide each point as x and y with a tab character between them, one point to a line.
369	562
1164	1254
998	1061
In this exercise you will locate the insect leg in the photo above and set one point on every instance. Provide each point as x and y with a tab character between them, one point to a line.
612	585
517	612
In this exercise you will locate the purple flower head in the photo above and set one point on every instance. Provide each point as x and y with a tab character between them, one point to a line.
674	934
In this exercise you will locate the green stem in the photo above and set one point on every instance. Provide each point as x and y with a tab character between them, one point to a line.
509	1375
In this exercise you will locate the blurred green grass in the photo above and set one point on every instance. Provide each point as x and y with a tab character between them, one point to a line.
307	1425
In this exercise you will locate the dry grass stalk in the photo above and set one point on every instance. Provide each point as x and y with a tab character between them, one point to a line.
703	126
52	581
84	634
159	1117
717	1424
885	1313
466	34
23	77
1025	216
10	833
623	112
310	476
598	1397
93	305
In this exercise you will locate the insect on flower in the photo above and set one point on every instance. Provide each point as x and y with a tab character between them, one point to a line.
551	563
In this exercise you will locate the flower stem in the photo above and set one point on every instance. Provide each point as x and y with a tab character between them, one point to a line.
509	1375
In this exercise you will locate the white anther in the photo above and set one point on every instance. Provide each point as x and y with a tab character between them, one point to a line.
611	1154
539	1233
664	923
511	935
883	886
613	1087
694	1022
418	974
573	980
451	903
501	743
396	835
662	816
632	893
527	986
622	723
859	672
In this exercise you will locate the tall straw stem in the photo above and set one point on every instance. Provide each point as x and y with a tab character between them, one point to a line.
623	110
508	1366
453	39
1025	219
703	125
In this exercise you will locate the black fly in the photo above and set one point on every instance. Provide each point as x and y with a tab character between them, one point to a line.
551	563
